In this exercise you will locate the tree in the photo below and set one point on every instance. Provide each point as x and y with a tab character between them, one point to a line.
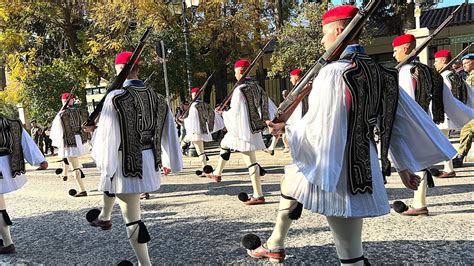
228	30
304	28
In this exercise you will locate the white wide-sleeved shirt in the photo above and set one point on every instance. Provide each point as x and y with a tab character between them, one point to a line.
318	178
106	142
32	155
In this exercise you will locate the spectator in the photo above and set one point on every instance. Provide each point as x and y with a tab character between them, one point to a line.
47	141
179	122
37	134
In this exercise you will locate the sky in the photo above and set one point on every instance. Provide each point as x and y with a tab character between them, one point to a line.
443	3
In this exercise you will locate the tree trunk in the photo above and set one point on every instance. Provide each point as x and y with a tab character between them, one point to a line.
221	83
278	14
69	30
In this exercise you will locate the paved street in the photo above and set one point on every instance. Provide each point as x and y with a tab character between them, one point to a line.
192	220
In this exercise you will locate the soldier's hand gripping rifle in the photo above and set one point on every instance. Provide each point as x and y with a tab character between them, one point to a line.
414	53
301	89
455	58
201	90
120	78
244	76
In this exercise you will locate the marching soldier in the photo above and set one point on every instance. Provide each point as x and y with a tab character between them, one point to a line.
336	169
295	76
16	146
455	97
424	85
67	135
467	132
200	122
244	121
135	136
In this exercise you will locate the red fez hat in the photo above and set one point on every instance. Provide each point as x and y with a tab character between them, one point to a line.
65	95
296	72
442	53
193	90
241	63
407	38
340	13
123	57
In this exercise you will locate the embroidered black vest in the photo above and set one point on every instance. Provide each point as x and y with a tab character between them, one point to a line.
10	144
374	91
142	114
257	105
429	89
206	116
305	106
72	120
458	86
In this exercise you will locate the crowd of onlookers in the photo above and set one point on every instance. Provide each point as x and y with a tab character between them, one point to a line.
41	138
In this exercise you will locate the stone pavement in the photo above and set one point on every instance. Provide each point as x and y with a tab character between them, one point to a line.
194	221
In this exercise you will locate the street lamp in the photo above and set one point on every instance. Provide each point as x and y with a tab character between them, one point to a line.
179	8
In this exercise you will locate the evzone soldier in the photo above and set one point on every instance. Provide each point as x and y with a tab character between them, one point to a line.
16	146
467	131
135	136
295	76
424	85
200	122
244	121
68	137
336	169
455	97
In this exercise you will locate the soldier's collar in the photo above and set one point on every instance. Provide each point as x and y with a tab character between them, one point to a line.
133	82
353	49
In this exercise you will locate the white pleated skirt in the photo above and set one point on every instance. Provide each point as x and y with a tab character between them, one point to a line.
198	137
255	144
80	150
8	183
341	202
120	184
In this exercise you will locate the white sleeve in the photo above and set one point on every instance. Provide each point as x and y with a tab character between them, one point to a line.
416	142
106	141
31	152
191	123
318	140
272	109
171	151
57	132
455	110
406	81
218	122
236	119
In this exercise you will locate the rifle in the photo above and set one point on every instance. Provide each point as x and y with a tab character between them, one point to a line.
120	78
414	53
244	75
456	57
149	77
301	89
203	87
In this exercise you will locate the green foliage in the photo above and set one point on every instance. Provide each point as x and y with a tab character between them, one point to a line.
8	110
299	44
42	92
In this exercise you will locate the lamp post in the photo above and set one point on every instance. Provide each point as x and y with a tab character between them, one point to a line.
184	4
